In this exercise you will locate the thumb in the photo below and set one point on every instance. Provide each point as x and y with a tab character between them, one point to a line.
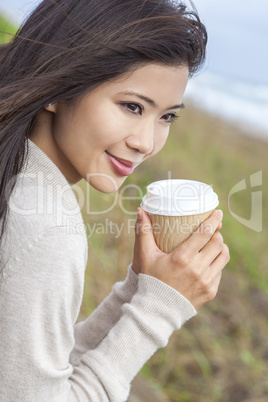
144	241
144	231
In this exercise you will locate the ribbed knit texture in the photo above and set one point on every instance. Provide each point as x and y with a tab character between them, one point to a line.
45	355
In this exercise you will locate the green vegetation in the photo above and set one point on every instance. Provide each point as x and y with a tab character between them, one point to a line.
220	355
7	27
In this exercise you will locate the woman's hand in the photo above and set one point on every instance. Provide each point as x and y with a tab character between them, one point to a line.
194	268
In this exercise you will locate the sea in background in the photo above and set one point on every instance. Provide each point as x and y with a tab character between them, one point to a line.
234	81
241	102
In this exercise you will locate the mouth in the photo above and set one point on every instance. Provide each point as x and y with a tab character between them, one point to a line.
122	166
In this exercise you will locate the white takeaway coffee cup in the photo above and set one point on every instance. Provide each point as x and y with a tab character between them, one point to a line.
176	209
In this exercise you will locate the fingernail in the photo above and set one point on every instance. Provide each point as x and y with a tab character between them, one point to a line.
139	213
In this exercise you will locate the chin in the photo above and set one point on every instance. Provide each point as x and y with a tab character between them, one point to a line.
105	184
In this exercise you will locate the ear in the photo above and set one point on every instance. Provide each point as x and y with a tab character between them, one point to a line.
52	107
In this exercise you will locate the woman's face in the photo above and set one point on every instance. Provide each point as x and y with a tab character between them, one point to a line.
114	128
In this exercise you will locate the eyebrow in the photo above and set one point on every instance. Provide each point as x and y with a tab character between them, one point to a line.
150	101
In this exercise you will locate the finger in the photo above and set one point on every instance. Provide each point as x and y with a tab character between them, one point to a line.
212	249
212	276
204	233
221	260
219	227
144	232
214	286
215	269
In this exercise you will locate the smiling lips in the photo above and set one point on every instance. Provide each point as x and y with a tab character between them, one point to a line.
122	166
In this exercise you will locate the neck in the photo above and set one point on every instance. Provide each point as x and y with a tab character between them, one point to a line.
42	136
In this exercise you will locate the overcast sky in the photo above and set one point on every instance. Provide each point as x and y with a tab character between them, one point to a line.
238	33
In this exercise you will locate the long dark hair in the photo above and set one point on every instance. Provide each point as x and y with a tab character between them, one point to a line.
66	48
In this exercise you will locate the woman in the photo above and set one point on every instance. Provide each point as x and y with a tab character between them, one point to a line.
89	90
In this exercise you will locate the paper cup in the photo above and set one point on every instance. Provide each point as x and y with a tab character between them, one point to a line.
176	209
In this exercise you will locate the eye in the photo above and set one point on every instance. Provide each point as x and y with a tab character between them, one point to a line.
170	118
134	108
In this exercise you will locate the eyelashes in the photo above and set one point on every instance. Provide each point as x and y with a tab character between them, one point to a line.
137	109
171	117
134	108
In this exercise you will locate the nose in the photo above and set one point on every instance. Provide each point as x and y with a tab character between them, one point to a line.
142	138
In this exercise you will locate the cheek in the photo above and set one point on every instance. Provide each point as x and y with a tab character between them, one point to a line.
105	127
160	142
82	130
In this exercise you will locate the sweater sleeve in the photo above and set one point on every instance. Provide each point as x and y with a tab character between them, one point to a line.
90	332
40	297
147	322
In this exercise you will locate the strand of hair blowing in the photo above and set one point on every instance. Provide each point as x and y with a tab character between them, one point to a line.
66	48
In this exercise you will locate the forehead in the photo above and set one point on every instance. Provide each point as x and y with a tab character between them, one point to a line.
154	71
156	81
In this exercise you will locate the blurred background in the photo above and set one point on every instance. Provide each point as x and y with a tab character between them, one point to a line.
221	138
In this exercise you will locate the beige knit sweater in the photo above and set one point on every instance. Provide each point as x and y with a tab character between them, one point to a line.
44	355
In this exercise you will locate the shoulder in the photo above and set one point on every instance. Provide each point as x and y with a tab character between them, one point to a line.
38	215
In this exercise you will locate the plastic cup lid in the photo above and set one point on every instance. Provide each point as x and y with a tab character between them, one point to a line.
179	198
